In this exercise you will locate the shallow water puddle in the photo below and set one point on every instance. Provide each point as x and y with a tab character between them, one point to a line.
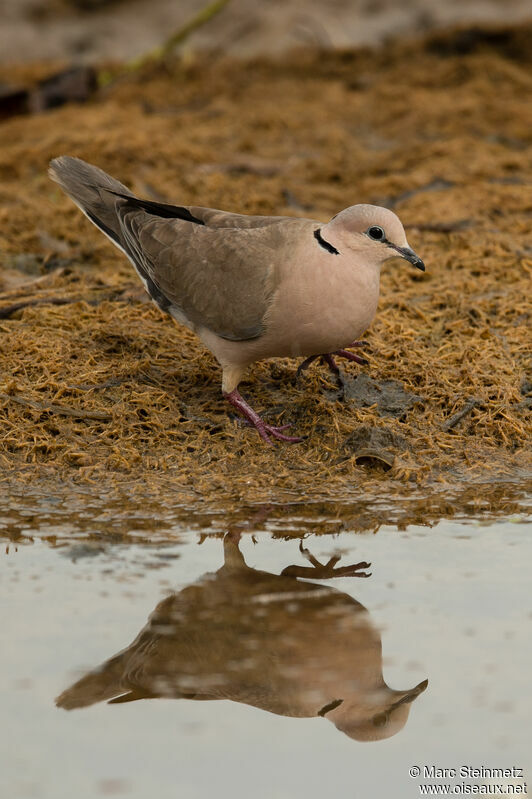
249	682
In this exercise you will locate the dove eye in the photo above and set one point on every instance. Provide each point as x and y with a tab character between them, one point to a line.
376	233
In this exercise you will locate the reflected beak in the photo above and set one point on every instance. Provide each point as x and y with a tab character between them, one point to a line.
409	255
409	696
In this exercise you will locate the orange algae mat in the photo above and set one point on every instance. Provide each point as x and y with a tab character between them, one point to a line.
99	387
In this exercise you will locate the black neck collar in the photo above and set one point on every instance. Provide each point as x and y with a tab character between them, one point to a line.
325	244
330	706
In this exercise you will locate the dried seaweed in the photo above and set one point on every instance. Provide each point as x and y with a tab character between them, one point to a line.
147	394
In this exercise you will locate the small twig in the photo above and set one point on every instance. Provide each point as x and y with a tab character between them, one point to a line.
93	386
9	310
177	38
457	417
59	409
203	16
31	284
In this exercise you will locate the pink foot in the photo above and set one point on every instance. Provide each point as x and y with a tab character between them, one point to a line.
331	363
329	360
325	357
265	430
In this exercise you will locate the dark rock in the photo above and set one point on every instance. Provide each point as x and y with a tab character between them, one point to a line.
389	395
526	391
13	101
373	445
73	85
511	43
526	387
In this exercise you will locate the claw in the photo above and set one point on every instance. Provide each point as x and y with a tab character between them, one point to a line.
325	571
267	430
356	570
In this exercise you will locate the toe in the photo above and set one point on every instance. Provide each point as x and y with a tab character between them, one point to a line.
276	433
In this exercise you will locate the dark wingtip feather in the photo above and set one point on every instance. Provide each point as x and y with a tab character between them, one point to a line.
164	210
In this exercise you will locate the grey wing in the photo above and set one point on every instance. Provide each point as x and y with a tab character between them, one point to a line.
221	278
225	219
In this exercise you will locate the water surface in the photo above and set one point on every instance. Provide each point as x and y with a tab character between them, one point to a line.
250	682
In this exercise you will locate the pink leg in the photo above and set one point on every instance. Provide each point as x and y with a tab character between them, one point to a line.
305	364
331	363
326	358
329	360
264	430
352	357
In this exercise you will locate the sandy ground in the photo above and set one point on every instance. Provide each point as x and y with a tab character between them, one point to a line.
89	30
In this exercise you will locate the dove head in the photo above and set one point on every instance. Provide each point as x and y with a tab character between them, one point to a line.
373	232
375	717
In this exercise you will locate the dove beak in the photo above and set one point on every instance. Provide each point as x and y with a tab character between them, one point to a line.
409	255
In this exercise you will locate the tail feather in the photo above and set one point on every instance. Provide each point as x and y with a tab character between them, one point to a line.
99	685
93	190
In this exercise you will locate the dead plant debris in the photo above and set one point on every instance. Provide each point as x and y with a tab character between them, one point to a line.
99	387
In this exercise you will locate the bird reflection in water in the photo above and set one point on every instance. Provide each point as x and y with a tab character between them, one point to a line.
292	648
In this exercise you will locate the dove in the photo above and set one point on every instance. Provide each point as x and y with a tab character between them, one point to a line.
250	287
271	641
